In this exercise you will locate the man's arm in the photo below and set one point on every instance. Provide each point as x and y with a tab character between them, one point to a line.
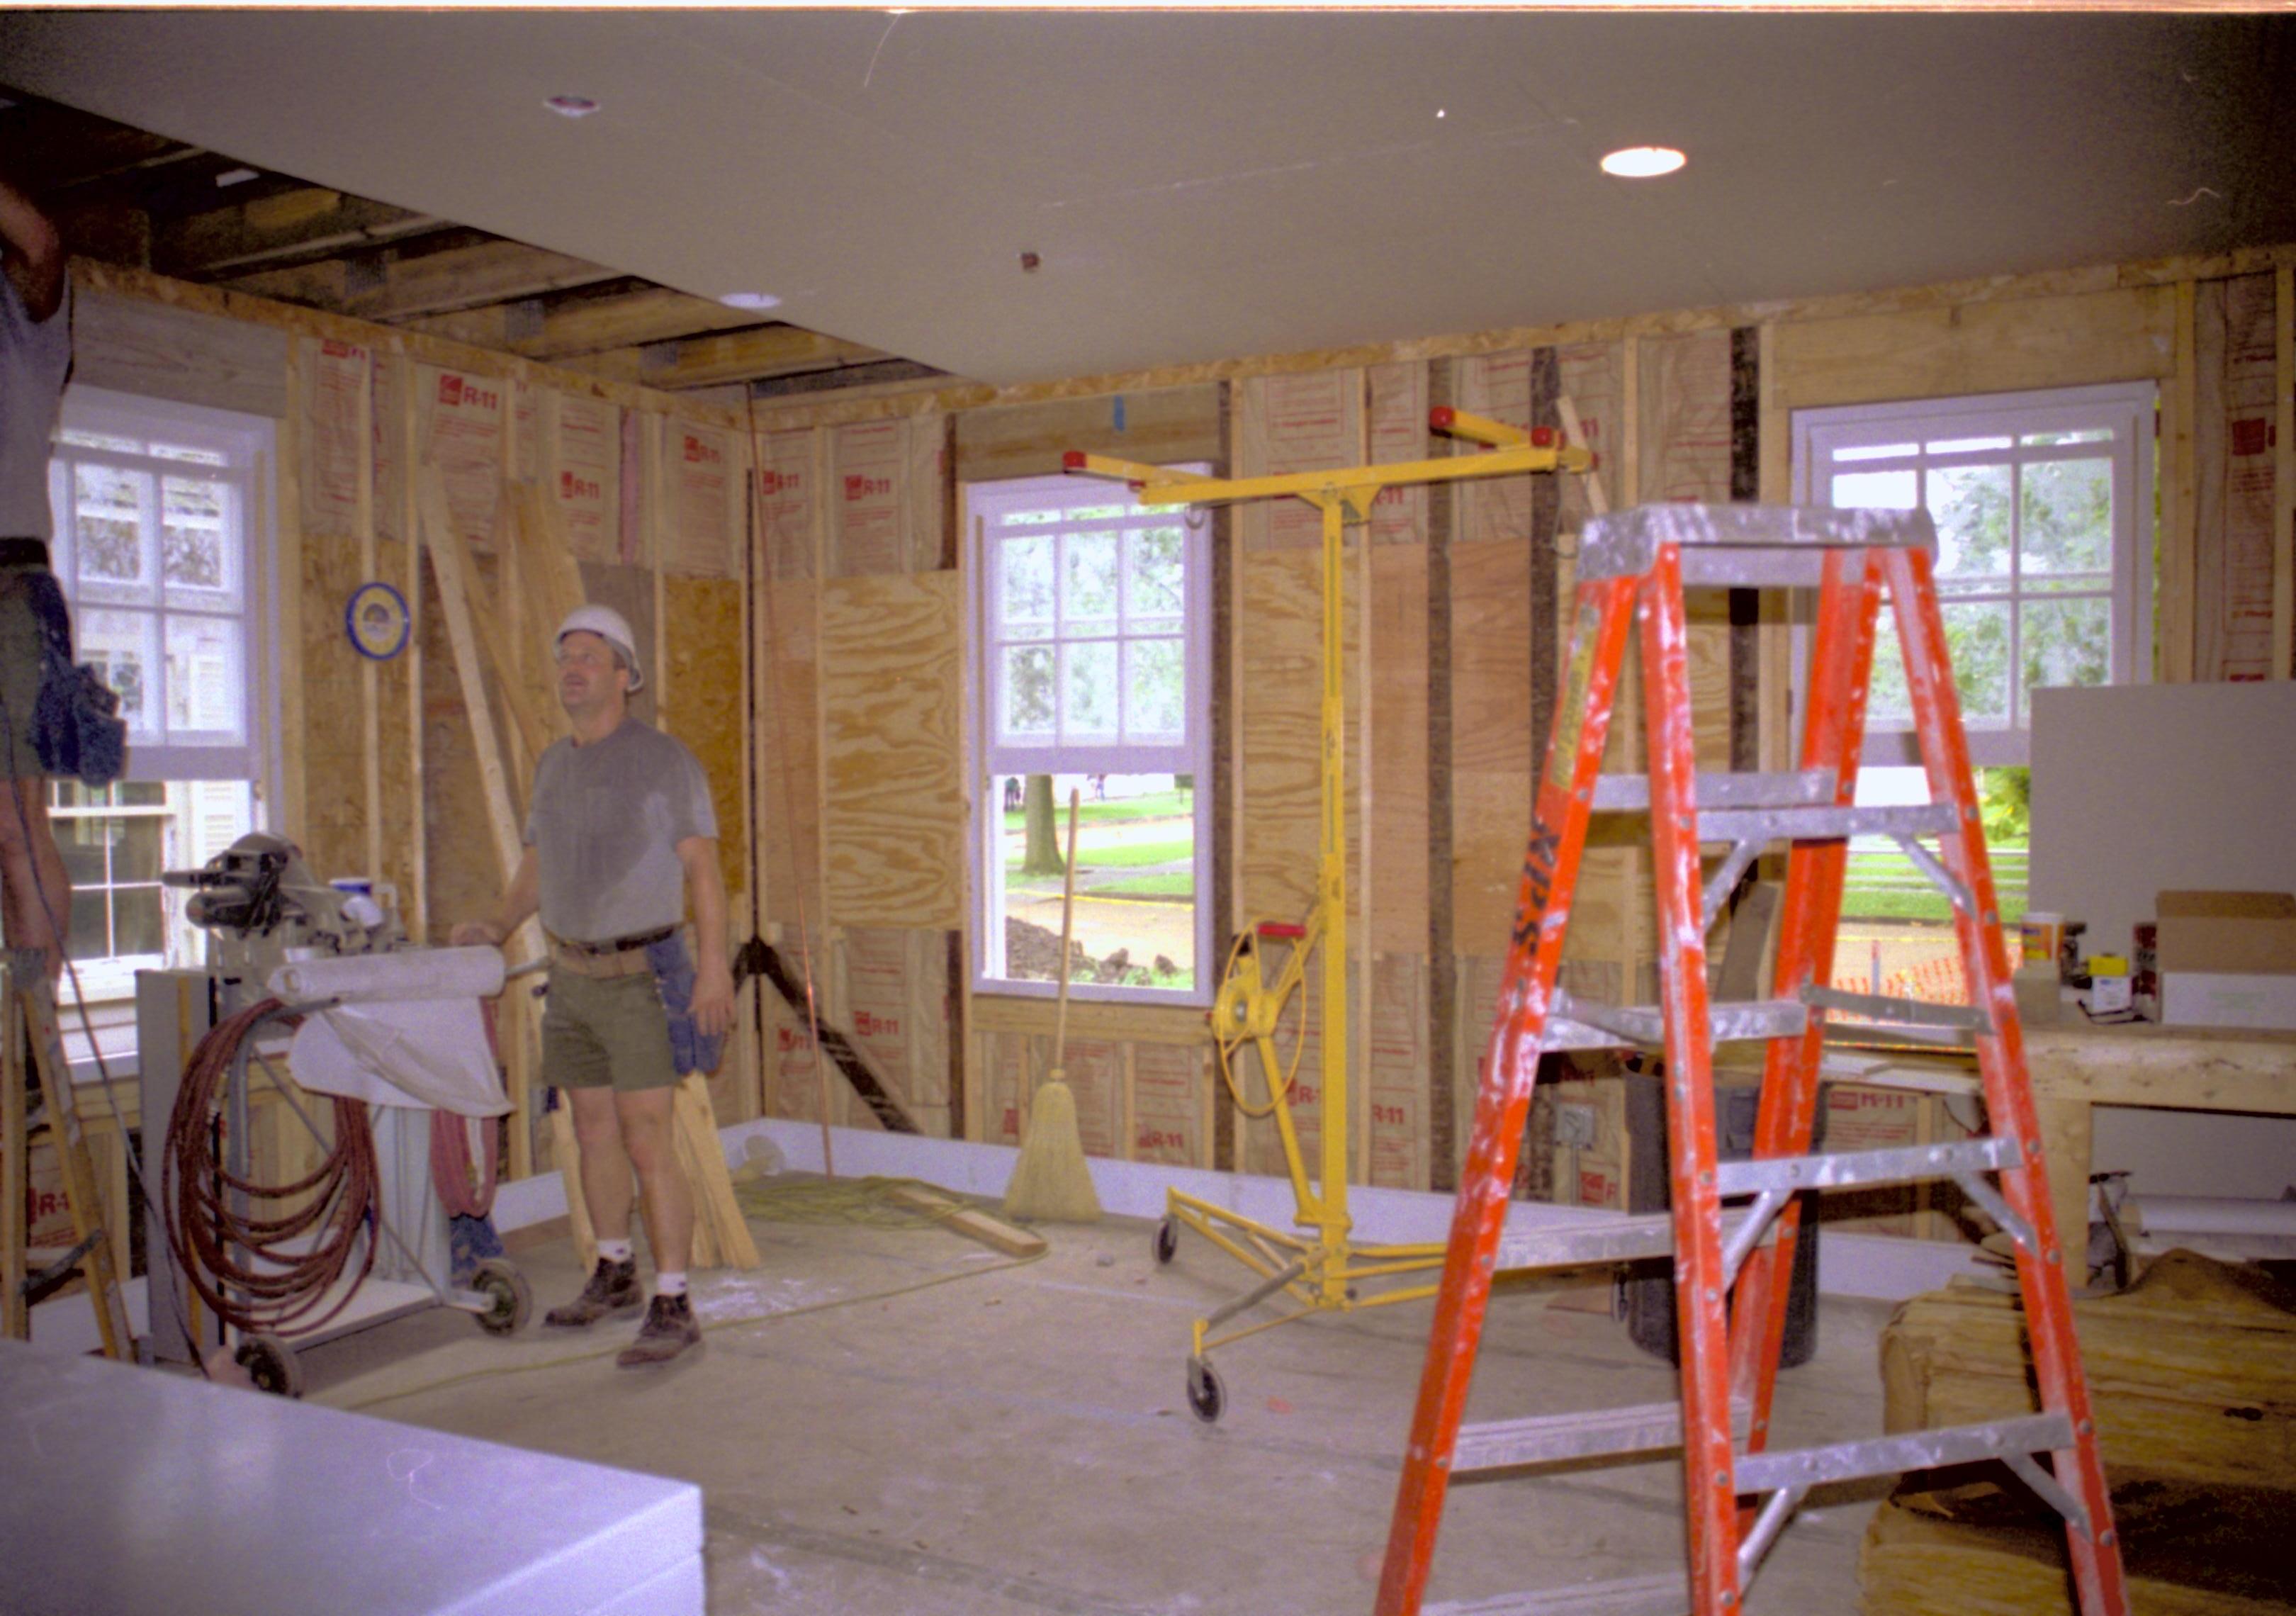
519	902
713	978
34	253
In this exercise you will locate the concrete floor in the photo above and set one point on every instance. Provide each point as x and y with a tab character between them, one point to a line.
896	1420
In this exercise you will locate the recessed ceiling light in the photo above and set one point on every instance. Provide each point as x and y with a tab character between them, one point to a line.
235	176
1438	111
750	299
572	106
1642	162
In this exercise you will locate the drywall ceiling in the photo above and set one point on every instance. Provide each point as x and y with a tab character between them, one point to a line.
1199	185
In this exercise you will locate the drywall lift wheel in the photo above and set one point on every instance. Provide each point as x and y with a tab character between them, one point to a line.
271	1363
514	1297
1166	1241
1206	1396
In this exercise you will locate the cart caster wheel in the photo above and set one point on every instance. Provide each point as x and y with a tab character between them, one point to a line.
1206	1396
271	1363
513	1298
1167	1239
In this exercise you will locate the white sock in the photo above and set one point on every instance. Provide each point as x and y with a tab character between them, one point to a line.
616	1251
669	1282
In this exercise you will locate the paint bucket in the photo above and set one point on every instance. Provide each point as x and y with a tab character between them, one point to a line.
2041	936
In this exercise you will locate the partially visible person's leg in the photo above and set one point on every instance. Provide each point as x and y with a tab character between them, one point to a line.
34	884
647	1116
605	1168
574	1059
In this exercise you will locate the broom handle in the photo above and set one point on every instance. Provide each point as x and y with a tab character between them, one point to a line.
1068	912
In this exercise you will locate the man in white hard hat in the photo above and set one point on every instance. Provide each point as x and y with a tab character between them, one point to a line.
621	830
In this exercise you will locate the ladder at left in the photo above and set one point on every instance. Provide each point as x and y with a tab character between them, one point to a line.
29	1033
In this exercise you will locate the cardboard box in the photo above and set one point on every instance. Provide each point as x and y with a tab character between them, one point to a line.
2226	933
2216	998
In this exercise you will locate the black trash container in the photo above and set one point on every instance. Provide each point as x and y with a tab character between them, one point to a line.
1650	1289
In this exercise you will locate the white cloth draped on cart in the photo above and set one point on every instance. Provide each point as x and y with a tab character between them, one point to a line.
406	1029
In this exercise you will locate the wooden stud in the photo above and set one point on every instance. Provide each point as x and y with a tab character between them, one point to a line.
284	586
370	672
415	905
2179	545
2283	473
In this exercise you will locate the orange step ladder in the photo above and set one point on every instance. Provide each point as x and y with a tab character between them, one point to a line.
1635	566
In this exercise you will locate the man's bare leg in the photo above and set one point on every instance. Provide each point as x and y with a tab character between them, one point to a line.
646	1116
605	1168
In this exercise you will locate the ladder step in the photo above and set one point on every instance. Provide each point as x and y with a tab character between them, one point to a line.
1722	789
1630	1238
1576	1023
1902	1013
1667	1594
1749	547
1824	822
1762	1472
1903	1164
1587	1433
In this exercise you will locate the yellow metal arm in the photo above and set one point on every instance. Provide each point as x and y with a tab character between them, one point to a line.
1477	428
1156	486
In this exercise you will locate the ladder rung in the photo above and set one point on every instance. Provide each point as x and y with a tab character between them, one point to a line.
1827	823
1761	1472
1630	1238
1576	1023
1902	1164
1723	789
1904	1013
1587	1433
1667	1594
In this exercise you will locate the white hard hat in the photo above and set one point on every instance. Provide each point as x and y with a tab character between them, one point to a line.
610	626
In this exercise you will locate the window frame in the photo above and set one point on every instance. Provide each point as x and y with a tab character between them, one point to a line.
992	759
247	442
2129	408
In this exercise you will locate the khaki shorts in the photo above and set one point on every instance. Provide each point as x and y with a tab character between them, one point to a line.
606	1032
23	643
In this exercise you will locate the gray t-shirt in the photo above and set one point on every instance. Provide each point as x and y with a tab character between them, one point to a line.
605	826
35	358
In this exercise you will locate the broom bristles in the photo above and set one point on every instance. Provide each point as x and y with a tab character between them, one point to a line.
1052	1182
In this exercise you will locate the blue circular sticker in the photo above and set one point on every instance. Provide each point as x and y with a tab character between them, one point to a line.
377	621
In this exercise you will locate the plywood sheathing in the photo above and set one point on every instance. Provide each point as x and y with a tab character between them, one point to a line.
890	667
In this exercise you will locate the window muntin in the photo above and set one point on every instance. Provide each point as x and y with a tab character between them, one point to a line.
1094	668
2039	500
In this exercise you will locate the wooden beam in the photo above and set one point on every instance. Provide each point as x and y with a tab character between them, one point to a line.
53	147
880	379
2283	473
740	356
2179	503
307	221
625	313
386	285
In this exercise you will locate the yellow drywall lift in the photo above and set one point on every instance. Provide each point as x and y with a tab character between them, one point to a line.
1322	1269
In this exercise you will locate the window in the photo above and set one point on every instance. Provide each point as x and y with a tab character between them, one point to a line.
158	548
2039	500
1093	675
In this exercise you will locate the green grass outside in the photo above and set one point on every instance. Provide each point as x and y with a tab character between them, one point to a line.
1161	805
1886	886
1117	857
1169	883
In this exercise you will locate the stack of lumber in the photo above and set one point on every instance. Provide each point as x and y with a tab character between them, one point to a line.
2192	1373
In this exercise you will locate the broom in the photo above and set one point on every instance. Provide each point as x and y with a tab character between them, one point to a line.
1051	1180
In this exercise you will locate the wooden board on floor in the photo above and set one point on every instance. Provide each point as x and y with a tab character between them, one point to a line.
970	1222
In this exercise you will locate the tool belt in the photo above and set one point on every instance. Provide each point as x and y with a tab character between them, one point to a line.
623	956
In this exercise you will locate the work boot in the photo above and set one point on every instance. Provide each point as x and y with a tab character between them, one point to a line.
668	1330
613	1288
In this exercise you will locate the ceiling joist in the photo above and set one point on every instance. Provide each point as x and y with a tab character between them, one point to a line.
621	313
387	286
307	223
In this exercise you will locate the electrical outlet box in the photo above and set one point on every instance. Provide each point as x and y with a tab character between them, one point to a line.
1574	1126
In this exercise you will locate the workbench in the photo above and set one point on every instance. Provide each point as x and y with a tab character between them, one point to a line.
2076	1067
